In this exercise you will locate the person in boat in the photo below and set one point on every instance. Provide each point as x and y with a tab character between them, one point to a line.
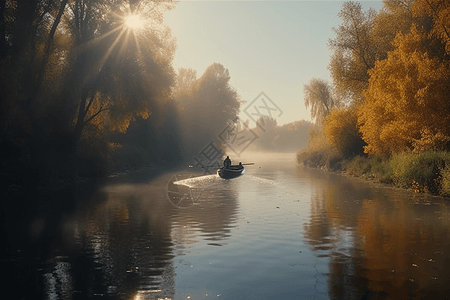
227	162
240	165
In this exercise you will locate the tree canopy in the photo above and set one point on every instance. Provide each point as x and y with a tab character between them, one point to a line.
207	105
73	70
407	94
318	94
391	69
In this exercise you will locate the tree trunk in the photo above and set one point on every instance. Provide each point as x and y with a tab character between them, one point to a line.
2	29
80	122
48	47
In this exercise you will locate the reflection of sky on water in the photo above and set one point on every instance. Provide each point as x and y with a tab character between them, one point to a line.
278	232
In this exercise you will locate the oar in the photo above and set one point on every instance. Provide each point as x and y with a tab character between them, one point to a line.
246	164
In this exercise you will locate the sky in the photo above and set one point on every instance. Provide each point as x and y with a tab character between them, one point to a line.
275	47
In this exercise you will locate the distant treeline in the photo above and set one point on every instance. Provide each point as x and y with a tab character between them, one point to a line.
280	138
82	94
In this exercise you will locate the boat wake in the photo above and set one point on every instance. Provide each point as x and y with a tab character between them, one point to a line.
198	182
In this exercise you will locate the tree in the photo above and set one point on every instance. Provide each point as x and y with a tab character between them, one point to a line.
266	130
292	136
319	95
185	82
119	73
439	11
72	71
354	52
395	16
341	129
407	97
207	105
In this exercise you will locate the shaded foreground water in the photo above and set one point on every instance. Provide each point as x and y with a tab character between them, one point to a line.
281	231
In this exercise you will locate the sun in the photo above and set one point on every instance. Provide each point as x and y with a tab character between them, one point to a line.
134	22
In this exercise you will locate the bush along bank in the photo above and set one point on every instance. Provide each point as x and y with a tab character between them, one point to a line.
424	172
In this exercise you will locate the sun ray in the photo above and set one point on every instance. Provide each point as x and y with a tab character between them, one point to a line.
111	48
105	57
98	39
138	45
124	44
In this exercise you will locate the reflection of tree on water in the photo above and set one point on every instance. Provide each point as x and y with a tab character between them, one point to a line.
117	243
126	244
381	244
110	244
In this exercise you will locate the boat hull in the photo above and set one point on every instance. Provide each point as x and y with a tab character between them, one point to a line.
231	172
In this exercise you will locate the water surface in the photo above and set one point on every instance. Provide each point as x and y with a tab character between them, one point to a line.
281	231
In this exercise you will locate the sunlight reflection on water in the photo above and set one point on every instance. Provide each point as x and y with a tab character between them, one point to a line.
278	232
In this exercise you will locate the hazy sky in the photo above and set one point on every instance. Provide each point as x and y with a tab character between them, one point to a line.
270	46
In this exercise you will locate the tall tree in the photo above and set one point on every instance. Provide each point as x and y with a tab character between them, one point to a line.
208	105
120	72
353	51
406	100
185	82
73	68
395	16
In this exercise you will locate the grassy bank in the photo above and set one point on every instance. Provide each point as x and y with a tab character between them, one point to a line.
425	172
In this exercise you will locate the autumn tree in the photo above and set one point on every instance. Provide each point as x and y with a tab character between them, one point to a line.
439	11
318	94
120	73
341	129
406	100
353	51
363	38
71	70
395	16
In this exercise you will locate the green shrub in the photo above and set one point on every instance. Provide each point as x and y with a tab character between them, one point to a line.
422	172
373	167
383	170
324	157
358	166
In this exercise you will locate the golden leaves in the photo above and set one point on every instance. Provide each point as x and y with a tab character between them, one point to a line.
342	131
406	94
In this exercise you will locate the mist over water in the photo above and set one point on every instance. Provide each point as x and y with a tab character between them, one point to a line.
281	231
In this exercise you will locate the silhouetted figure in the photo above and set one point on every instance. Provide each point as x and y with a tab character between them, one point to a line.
227	162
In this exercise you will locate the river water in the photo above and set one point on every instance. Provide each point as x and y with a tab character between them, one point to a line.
280	231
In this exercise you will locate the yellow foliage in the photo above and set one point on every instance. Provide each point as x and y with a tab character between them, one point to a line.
430	141
439	11
342	131
407	93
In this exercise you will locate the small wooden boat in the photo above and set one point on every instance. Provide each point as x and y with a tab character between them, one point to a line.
231	172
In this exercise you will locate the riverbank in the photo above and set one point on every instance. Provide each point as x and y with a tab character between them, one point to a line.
427	172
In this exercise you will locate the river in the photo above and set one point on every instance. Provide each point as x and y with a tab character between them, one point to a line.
280	231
